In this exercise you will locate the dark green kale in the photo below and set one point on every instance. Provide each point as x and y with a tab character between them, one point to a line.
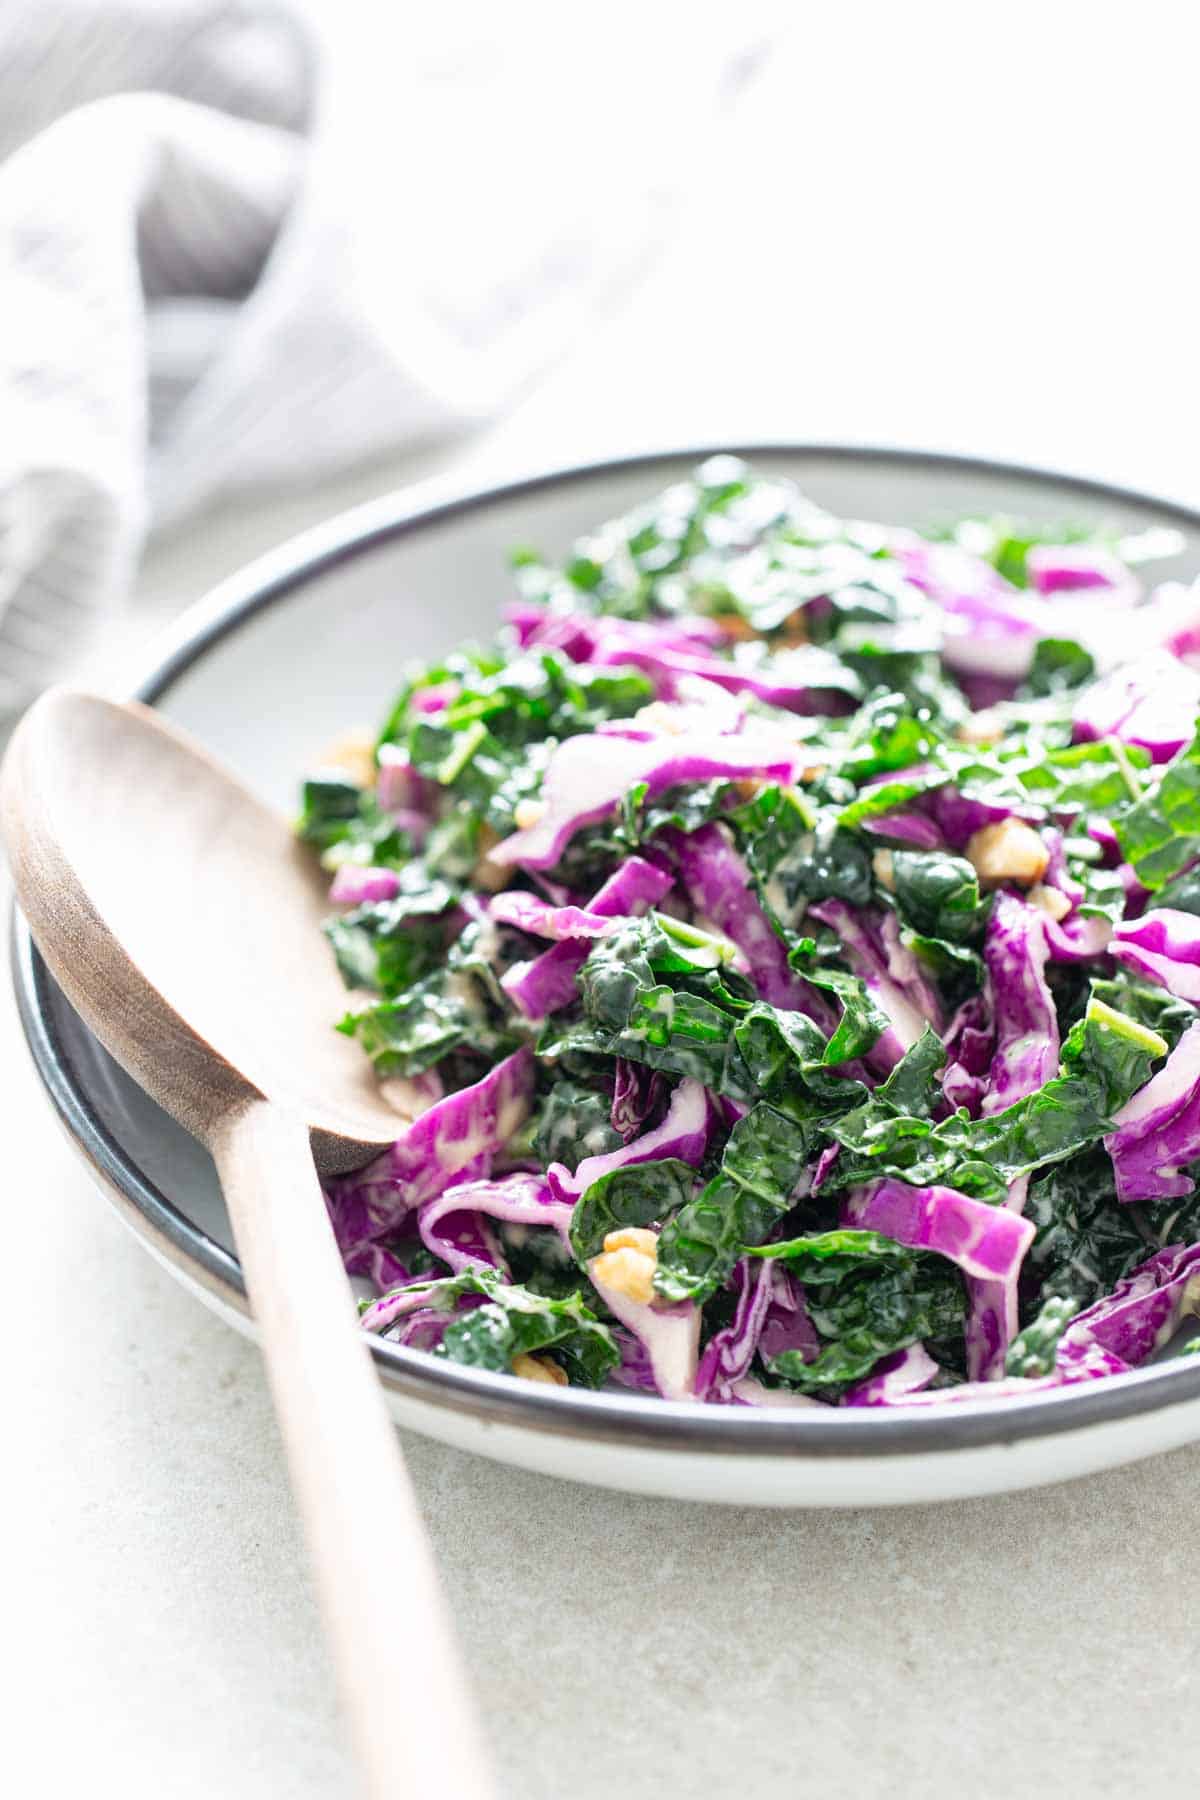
1060	666
680	809
888	634
863	1021
1087	1240
761	1167
1028	771
1074	777
329	806
519	700
1160	834
486	749
337	815
725	542
826	863
795	853
638	1194
573	1122
514	1321
1105	1059
411	1034
1033	1352
788	1061
387	945
459	1004
539	1260
682	1027
938	895
912	1085
884	797
661	993
383	961
827	1257
887	733
869	1315
891	1132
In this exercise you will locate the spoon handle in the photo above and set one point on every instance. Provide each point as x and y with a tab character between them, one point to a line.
402	1684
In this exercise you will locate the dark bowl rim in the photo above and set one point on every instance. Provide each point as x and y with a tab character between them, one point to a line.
608	1417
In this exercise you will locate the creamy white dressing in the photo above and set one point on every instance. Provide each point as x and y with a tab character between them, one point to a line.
776	898
462	987
487	940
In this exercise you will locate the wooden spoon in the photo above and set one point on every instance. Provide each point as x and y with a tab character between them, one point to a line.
179	916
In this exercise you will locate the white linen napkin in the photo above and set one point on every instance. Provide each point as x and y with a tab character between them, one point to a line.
246	243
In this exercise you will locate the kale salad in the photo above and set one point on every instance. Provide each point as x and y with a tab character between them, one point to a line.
781	948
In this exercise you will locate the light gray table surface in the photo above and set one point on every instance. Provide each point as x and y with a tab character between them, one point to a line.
155	1590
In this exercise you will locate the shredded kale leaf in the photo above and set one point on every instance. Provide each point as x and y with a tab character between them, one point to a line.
1033	1351
347	823
1105	1059
830	1256
1087	1240
866	1317
797	853
1160	834
637	1194
515	1321
664	994
387	945
1060	666
458	1004
760	1168
573	1122
938	895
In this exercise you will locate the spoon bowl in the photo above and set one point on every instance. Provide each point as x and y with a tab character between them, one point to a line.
198	962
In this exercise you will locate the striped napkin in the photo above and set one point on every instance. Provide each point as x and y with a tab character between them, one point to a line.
244	242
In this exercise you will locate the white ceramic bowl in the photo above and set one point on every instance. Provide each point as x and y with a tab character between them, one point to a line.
309	641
